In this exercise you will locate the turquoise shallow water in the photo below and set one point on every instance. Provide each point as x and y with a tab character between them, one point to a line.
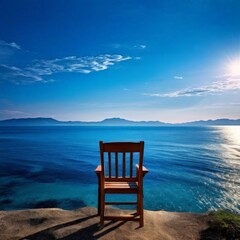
193	169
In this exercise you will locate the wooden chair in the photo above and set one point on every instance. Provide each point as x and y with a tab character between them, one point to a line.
116	175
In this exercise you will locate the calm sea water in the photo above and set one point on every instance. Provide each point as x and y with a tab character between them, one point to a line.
193	169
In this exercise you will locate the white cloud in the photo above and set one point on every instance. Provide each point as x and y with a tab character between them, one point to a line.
5	113
76	64
129	46
36	71
11	45
178	77
11	112
140	46
143	46
18	75
214	88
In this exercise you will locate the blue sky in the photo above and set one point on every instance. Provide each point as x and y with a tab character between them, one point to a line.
172	60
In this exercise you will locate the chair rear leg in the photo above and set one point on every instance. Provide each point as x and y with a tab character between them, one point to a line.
99	197
141	222
138	204
102	208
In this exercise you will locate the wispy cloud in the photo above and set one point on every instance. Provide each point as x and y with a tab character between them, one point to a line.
129	47
18	75
141	46
11	112
5	113
76	64
11	45
38	69
178	77
7	50
214	88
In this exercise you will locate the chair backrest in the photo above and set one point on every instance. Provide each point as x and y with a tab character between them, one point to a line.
118	159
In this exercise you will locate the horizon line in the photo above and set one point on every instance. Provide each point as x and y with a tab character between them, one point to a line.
110	118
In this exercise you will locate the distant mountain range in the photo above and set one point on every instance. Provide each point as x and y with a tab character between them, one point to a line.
110	122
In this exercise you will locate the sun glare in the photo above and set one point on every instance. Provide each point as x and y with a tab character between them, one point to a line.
232	134
234	67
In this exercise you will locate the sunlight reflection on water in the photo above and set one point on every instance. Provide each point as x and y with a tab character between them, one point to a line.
231	159
231	134
231	144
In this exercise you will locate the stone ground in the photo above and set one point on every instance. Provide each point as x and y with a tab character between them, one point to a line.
54	223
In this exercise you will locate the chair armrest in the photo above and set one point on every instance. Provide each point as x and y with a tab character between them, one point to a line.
144	170
98	170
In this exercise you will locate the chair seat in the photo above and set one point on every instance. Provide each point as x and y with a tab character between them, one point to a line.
121	187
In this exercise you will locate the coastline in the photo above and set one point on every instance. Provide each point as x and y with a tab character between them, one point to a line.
82	223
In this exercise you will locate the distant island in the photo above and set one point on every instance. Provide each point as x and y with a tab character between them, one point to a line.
40	121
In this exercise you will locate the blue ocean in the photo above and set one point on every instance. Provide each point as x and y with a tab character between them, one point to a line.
191	169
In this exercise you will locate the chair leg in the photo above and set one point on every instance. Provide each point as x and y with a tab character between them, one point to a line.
102	208
141	223
99	200
138	205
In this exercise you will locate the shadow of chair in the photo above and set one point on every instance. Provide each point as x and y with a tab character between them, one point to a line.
47	233
89	232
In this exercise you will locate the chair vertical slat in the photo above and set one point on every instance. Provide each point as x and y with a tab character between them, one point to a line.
116	163
124	165
109	164
131	164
